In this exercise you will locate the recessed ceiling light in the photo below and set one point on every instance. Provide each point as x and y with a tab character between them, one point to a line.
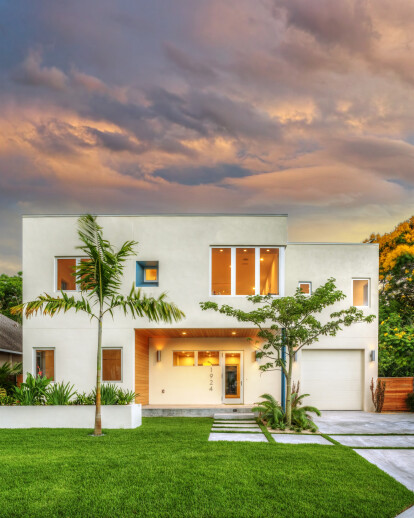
267	250
233	332
221	250
244	250
184	333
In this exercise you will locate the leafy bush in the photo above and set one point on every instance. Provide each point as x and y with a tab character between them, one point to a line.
396	347
271	412
33	391
83	399
5	399
410	401
8	374
125	397
59	394
112	395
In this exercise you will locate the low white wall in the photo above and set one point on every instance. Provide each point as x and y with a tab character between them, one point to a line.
69	416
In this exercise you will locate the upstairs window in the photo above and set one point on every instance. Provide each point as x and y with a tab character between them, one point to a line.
245	270
360	292
65	273
305	287
147	273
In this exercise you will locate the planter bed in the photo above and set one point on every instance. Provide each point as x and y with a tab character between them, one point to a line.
69	416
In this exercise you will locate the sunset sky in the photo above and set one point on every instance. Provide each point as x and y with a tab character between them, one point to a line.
289	106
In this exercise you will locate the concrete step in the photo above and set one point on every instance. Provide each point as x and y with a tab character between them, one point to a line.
234	416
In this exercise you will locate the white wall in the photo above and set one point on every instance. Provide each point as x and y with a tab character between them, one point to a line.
181	244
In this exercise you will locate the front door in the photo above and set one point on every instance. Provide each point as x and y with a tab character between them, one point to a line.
232	377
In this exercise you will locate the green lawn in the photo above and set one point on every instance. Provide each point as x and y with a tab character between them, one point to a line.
168	468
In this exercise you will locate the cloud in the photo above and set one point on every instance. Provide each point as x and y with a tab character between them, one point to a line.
32	73
202	175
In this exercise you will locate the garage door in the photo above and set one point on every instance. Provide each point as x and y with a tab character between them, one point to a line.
333	378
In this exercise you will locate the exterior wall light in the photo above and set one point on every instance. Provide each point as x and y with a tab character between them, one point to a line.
158	355
372	356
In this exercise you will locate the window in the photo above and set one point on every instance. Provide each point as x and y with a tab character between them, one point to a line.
305	287
221	271
45	363
246	270
183	358
208	358
360	291
269	271
111	364
66	274
147	273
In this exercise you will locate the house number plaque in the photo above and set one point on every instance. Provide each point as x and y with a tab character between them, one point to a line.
211	382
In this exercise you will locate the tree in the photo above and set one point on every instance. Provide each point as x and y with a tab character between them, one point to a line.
10	294
99	277
291	322
396	270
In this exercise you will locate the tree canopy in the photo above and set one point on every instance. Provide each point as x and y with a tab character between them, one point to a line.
11	289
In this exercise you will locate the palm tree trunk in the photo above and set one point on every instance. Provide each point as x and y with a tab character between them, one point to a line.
98	419
289	390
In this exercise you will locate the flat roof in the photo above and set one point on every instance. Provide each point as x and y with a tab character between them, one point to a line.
158	214
328	243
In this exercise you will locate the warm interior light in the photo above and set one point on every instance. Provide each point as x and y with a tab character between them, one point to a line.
184	333
267	250
221	249
233	332
244	250
261	259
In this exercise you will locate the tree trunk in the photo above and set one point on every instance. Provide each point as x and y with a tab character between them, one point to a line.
289	390
98	420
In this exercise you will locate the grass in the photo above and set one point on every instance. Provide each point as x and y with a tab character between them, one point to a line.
167	468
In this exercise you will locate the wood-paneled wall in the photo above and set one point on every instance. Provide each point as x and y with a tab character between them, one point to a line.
396	391
141	368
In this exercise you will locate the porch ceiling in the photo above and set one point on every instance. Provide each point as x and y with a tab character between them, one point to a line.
198	332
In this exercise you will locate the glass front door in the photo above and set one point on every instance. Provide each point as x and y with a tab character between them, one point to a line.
232	377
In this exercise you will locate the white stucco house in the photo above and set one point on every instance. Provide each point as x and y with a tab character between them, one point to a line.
206	358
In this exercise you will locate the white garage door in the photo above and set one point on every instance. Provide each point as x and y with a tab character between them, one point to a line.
333	378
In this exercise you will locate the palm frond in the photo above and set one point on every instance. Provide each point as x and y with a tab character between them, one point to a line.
47	305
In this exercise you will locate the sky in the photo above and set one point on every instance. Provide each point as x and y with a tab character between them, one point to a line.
284	106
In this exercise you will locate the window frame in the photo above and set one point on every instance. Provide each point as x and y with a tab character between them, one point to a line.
310	287
257	269
186	351
111	348
78	259
369	290
35	349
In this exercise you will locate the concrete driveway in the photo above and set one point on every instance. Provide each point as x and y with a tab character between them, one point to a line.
351	422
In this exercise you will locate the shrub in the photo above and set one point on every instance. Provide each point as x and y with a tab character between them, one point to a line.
125	397
272	413
83	399
112	395
410	401
33	391
5	399
59	394
8	374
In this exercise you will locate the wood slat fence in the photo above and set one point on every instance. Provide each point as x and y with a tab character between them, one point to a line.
396	391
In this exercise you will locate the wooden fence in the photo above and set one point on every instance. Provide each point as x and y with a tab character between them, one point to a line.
396	391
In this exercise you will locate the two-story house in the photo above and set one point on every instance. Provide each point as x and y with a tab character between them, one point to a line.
206	358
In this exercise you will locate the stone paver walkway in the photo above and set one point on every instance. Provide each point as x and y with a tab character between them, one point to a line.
292	438
358	422
376	441
239	437
236	430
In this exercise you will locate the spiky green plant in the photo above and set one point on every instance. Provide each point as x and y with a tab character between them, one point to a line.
99	277
270	411
33	391
8	374
60	394
126	397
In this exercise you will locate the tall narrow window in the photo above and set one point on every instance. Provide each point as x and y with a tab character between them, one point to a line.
245	271
45	363
269	271
221	271
111	364
65	274
360	292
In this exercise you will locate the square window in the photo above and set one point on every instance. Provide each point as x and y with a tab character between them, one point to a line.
183	358
208	358
150	275
305	287
111	364
147	273
360	292
45	363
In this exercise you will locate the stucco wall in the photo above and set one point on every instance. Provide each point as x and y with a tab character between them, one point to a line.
182	247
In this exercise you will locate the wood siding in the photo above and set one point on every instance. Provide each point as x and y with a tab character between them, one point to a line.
396	391
141	368
199	332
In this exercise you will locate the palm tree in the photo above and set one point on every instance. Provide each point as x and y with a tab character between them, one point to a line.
99	277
